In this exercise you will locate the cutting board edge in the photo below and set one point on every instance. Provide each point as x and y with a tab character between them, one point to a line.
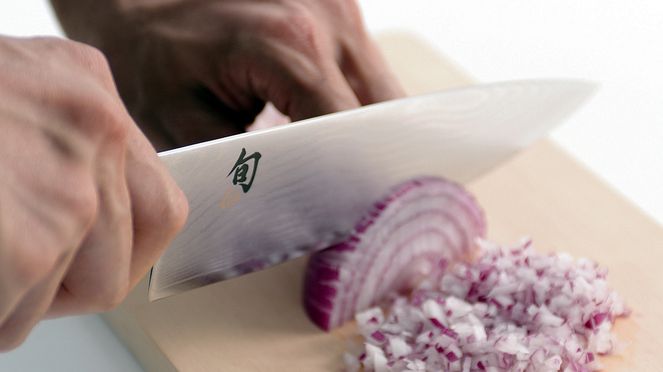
131	333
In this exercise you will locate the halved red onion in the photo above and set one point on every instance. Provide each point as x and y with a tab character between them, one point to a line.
411	234
510	310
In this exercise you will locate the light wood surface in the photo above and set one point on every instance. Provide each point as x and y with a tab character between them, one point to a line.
257	323
546	195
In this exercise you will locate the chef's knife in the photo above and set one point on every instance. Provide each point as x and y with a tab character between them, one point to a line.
261	198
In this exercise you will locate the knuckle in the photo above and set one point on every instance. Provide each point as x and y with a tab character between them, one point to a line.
180	210
96	113
99	116
170	215
174	212
80	196
297	27
110	119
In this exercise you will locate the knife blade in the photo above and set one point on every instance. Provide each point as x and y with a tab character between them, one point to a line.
260	198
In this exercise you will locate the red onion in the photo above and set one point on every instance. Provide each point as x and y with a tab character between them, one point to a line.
411	234
510	310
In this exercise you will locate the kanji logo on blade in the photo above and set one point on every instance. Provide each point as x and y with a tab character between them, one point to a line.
244	170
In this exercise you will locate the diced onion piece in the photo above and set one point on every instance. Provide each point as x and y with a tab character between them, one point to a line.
558	319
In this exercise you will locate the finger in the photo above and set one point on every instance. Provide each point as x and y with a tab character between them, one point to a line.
27	263
40	250
368	73
38	269
32	307
300	82
325	91
159	208
98	278
331	94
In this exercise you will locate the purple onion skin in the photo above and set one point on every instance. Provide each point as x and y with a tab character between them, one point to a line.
442	221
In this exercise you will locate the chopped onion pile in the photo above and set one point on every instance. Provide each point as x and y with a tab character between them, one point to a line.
411	234
510	310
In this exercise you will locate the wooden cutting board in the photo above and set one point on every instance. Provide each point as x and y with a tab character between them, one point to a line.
257	323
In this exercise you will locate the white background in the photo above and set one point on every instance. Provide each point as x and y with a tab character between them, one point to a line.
619	135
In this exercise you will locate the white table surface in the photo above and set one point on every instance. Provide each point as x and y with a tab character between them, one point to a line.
619	135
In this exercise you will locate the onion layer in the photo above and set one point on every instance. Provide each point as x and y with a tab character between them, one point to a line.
412	234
